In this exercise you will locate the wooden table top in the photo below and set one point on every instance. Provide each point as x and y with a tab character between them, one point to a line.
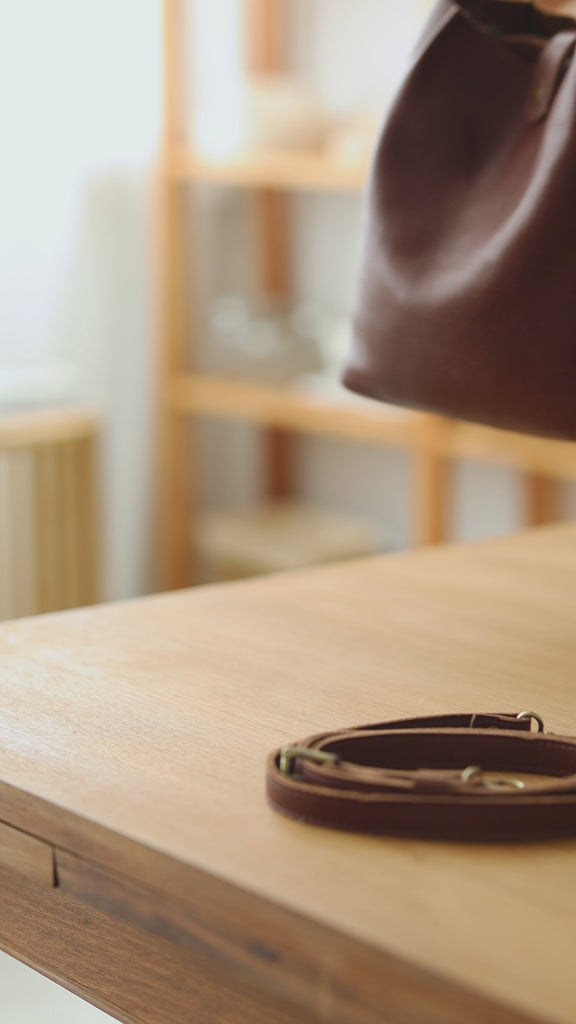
133	739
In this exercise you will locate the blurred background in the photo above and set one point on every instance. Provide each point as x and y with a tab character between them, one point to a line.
181	211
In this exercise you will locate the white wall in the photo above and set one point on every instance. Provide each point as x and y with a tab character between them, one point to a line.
79	110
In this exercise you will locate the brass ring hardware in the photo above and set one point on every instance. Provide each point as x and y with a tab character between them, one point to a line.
473	773
504	784
535	716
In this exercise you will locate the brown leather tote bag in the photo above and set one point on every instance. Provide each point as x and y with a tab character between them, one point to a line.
467	302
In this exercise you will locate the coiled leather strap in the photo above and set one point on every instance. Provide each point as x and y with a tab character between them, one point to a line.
432	777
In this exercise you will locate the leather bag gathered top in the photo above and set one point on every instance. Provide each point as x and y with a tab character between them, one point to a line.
467	297
434	777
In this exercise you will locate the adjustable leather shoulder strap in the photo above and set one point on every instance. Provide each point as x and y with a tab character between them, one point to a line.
511	19
465	776
552	65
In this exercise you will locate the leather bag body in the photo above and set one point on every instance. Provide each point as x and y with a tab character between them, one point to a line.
467	300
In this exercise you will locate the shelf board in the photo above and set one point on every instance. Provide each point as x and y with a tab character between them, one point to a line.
301	411
290	171
293	409
522	451
276	536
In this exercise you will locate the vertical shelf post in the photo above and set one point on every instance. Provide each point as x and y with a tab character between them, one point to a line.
175	449
432	485
542	500
265	56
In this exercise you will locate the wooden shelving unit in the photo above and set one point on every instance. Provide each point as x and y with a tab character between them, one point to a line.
185	394
288	408
304	172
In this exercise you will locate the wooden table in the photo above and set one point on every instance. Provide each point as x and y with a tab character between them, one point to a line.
142	867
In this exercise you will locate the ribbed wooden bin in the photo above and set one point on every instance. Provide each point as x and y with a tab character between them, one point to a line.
49	534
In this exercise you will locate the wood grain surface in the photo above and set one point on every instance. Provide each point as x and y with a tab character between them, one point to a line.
326	975
134	737
26	855
134	976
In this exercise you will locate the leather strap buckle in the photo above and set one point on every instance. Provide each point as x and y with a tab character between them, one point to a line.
475	774
291	751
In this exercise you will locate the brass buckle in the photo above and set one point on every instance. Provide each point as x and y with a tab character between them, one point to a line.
474	773
291	751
